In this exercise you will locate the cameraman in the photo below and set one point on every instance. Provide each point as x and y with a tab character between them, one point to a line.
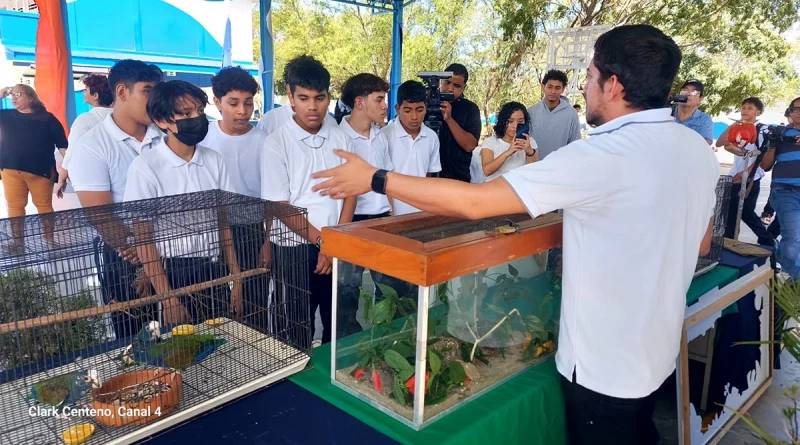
783	154
459	137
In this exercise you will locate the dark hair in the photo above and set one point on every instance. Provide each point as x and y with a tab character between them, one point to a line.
307	72
505	114
128	72
791	104
97	83
458	70
754	101
166	97
576	106
644	60
233	78
556	75
411	91
360	85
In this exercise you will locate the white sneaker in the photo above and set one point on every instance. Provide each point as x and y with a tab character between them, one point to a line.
316	343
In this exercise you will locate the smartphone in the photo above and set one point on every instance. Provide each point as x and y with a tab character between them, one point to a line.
522	130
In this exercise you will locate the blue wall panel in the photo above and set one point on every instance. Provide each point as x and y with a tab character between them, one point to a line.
95	26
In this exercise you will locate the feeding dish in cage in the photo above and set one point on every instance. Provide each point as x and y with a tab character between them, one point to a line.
138	397
466	304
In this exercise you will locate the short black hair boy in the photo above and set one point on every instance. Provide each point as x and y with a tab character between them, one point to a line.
129	72
233	78
458	70
556	75
307	72
756	102
167	99
411	91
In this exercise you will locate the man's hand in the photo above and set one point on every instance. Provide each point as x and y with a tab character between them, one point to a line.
447	110
324	265
142	284
129	254
236	299
353	178
175	312
738	178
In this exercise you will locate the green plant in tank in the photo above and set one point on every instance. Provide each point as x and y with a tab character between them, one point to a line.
497	316
30	294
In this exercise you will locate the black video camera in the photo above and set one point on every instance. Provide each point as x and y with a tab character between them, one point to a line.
777	134
674	99
434	98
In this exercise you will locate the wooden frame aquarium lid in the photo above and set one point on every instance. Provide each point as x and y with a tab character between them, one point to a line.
426	249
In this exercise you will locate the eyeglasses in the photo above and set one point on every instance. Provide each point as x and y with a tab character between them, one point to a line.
689	92
794	110
16	94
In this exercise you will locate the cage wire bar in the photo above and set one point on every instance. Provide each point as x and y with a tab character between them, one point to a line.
125	319
723	192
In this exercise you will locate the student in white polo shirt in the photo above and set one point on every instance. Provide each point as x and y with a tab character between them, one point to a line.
99	170
276	117
627	261
178	165
292	154
362	109
413	147
242	145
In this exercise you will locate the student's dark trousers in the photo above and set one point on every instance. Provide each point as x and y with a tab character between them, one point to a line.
247	242
597	419
294	308
749	215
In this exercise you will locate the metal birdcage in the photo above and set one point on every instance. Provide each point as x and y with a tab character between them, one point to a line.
118	321
709	261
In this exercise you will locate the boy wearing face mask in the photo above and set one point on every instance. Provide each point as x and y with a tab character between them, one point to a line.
176	166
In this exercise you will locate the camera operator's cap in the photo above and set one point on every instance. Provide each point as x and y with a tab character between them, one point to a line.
697	84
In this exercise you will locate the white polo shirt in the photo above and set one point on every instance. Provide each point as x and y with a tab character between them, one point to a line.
276	117
102	156
291	156
637	198
81	126
160	172
412	157
242	156
374	150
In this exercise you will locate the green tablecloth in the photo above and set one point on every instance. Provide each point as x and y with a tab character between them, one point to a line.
528	409
717	277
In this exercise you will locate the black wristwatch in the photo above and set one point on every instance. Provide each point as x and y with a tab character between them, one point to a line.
319	242
379	182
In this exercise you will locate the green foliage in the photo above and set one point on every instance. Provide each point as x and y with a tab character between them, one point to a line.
735	46
30	294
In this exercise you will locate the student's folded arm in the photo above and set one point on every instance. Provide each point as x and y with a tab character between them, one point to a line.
491	163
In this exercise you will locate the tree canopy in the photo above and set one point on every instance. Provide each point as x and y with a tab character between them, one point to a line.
736	47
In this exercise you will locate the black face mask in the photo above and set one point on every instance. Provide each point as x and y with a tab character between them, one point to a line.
192	131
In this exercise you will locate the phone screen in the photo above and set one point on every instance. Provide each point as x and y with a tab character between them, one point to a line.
522	130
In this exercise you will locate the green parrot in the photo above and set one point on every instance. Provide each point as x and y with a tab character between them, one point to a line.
176	352
65	390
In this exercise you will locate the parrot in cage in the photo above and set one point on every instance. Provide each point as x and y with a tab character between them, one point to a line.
176	352
64	390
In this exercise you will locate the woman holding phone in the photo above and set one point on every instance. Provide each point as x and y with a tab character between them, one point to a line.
511	146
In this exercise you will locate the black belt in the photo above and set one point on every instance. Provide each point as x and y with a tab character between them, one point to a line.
357	218
779	185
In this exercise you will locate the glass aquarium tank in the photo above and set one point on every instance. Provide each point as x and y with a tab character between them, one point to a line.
431	311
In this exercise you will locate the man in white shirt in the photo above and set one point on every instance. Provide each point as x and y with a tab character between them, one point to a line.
627	262
752	107
242	145
176	166
276	117
305	144
413	147
99	171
